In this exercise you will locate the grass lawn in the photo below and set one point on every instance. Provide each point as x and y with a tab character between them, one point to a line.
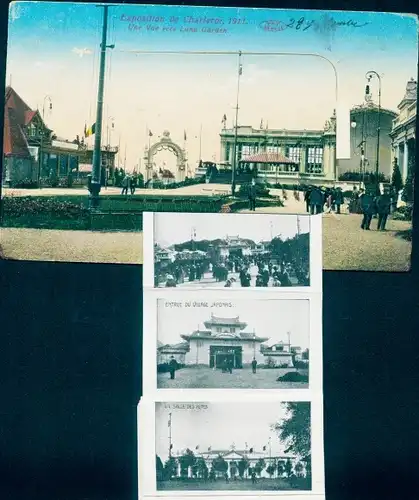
263	484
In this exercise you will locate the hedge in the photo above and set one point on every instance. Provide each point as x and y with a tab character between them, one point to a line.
116	213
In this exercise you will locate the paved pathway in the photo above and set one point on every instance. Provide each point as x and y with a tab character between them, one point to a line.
195	189
207	378
347	247
71	246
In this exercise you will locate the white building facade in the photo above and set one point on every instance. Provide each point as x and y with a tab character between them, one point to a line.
313	152
403	134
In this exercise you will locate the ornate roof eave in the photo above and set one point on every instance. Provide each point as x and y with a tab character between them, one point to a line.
399	127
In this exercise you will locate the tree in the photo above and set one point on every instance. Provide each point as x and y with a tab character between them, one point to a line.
271	469
288	468
201	468
407	195
259	467
186	461
242	466
299	469
170	468
294	430
280	468
159	468
220	465
396	177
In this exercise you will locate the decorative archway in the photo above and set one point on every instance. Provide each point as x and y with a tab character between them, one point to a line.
166	143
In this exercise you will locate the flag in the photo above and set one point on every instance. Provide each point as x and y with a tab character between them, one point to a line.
197	447
150	133
224	119
90	131
240	69
261	124
184	135
264	448
209	448
251	450
171	447
169	422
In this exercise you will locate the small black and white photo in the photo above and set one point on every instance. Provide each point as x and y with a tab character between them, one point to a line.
233	344
263	446
231	250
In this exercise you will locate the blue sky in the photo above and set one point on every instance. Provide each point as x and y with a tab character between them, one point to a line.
53	49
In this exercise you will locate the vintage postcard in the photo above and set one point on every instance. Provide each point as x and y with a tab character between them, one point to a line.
207	109
203	341
247	344
232	251
232	447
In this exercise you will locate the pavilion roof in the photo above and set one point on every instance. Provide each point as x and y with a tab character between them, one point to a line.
240	337
225	322
268	158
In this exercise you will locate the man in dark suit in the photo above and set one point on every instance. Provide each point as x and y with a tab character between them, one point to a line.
383	209
367	203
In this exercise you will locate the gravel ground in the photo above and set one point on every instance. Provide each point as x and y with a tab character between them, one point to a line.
347	247
72	246
207	378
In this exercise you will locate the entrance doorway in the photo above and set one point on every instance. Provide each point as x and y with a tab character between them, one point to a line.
222	356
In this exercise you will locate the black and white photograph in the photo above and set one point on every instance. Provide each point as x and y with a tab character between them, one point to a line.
231	250
240	344
233	446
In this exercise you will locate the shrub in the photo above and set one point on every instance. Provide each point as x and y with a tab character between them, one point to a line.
367	177
403	213
24	184
14	206
261	191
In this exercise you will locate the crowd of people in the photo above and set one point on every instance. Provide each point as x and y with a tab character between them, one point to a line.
319	200
364	202
245	271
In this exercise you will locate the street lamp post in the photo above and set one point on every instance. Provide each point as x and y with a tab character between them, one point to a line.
369	75
41	150
234	163
97	166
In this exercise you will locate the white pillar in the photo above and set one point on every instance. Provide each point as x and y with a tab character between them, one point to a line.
326	158
331	171
223	151
303	159
405	161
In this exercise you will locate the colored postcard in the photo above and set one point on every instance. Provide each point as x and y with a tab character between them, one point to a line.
207	109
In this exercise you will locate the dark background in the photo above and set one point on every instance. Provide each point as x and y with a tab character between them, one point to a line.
70	364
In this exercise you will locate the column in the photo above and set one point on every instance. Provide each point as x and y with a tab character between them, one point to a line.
223	151
405	161
231	155
303	159
332	161
326	158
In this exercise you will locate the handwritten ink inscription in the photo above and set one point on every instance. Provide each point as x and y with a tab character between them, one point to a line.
302	24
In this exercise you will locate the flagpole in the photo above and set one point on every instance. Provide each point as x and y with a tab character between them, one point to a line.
170	435
200	142
96	167
233	170
125	160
